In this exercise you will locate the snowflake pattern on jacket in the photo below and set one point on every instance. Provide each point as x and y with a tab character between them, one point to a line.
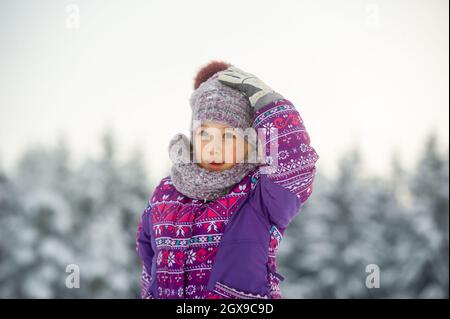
187	232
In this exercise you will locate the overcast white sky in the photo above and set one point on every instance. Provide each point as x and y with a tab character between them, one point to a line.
368	73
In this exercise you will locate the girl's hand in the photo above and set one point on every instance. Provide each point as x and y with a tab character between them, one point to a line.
258	93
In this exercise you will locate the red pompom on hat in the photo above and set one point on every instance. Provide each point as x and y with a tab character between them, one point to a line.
208	71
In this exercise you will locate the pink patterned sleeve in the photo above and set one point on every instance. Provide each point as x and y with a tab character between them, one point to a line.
294	159
145	252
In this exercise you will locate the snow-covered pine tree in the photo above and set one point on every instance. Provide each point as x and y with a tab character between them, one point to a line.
53	215
427	272
43	247
112	196
10	260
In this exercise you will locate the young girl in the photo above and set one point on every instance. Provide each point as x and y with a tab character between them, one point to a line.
213	226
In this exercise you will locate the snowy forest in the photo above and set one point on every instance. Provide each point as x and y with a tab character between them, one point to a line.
53	214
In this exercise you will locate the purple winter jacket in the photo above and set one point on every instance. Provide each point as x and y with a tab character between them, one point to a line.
240	265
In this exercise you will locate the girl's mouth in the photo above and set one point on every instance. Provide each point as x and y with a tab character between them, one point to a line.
215	165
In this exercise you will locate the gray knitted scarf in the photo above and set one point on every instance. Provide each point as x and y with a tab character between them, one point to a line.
196	182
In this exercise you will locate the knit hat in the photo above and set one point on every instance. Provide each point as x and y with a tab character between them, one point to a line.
214	101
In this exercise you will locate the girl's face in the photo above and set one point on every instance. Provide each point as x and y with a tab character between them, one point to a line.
218	147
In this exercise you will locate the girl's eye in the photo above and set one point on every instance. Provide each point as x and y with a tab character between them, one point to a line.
204	134
229	136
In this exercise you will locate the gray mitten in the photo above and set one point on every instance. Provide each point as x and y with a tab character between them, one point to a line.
258	93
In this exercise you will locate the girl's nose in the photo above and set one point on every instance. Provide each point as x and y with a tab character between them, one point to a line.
216	154
215	151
